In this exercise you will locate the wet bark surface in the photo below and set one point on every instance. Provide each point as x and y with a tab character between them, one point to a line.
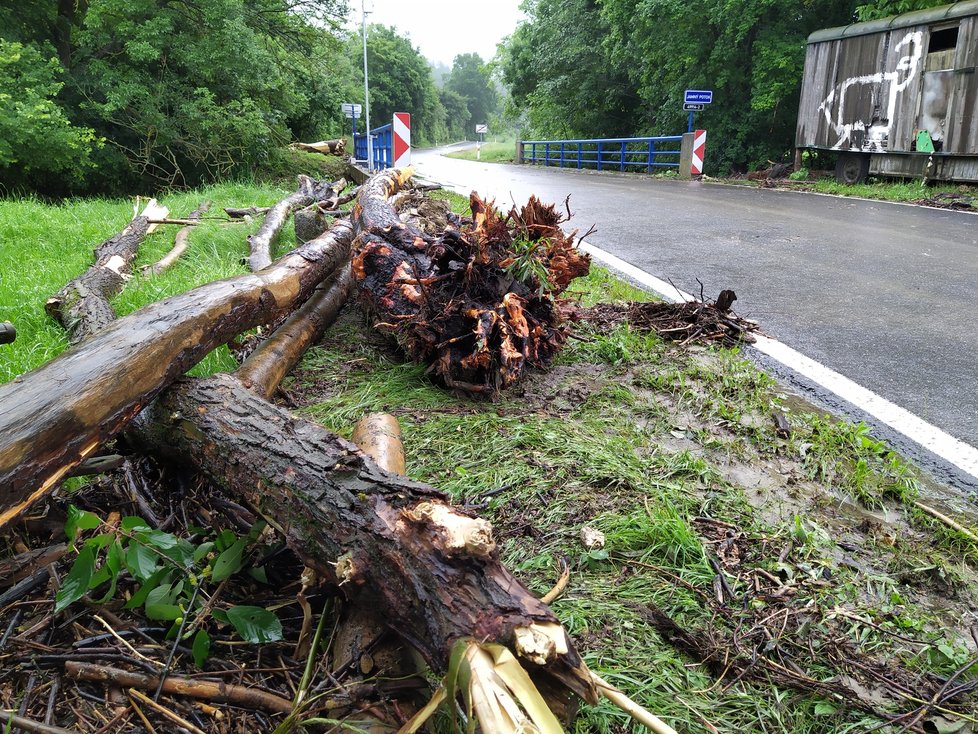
62	412
368	530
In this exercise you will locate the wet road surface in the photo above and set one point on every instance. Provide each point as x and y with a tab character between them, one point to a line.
885	294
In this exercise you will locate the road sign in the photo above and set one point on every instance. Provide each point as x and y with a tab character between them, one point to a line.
401	126
351	110
699	152
690	107
698	96
482	129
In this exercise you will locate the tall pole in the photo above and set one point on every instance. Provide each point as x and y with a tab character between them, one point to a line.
366	91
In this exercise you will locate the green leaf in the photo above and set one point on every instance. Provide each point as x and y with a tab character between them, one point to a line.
220	615
254	624
76	582
139	598
201	647
202	550
112	566
160	603
230	561
258	574
141	561
176	549
79	520
131	523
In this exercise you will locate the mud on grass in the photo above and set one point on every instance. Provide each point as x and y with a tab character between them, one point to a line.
812	597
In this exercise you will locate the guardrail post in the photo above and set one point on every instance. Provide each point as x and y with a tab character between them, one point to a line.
686	156
651	155
579	161
546	154
621	158
561	155
599	155
518	158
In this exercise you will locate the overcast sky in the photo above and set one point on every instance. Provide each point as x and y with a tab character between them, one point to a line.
442	29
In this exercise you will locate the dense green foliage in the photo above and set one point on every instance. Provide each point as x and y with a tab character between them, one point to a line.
123	95
604	68
470	80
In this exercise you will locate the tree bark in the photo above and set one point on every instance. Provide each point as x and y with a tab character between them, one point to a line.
59	414
261	242
82	306
275	357
393	544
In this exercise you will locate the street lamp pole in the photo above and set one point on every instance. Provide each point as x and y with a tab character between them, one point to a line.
366	90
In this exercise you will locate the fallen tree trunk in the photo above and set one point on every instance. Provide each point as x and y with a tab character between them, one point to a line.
391	543
59	414
326	147
261	242
82	306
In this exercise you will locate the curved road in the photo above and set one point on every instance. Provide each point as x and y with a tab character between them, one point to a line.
885	294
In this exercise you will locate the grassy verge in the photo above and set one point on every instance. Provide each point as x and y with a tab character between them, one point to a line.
503	152
900	191
795	552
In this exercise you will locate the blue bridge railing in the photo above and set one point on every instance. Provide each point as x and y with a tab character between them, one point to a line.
383	143
606	154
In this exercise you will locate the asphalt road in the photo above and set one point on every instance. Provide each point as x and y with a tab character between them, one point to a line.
885	294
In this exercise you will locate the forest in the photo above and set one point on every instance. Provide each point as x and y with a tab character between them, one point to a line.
109	96
609	68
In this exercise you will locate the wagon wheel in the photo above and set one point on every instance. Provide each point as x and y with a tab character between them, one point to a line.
852	168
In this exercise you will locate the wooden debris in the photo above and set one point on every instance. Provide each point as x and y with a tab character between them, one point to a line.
82	306
181	242
214	691
260	243
59	414
326	147
688	322
476	301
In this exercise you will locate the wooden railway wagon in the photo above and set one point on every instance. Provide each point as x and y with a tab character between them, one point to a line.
895	97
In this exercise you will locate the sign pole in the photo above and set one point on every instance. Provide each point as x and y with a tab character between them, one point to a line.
690	122
366	91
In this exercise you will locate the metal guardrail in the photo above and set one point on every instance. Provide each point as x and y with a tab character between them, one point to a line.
383	145
605	154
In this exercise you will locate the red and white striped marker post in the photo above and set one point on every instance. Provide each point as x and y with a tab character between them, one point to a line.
699	153
401	127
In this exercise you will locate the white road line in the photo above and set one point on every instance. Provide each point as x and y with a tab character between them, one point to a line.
944	445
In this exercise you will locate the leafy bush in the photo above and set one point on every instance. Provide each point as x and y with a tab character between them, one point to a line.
800	175
37	140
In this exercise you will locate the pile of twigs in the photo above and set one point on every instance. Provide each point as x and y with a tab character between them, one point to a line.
688	322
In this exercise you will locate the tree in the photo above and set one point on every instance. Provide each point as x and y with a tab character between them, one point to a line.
401	81
457	117
616	67
182	91
470	80
37	140
557	67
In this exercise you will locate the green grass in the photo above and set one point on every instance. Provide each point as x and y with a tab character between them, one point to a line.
44	246
502	152
592	444
628	434
884	190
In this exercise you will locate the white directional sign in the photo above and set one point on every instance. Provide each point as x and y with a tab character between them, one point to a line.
482	128
698	96
352	110
690	107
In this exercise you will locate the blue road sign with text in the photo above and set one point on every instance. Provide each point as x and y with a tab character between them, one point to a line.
698	96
